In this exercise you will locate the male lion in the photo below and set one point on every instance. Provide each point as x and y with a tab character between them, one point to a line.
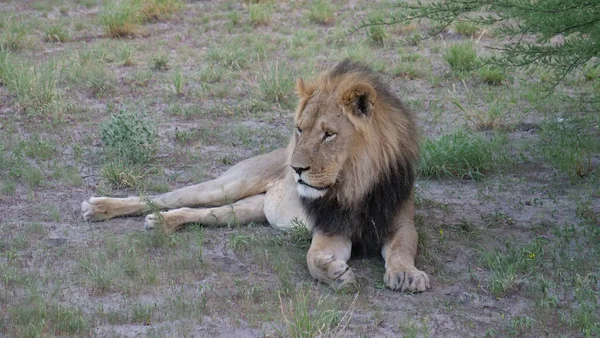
347	173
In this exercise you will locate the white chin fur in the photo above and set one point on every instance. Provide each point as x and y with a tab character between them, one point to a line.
308	192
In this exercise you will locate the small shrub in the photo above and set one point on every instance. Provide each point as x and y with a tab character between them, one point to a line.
321	11
57	33
461	57
129	138
260	14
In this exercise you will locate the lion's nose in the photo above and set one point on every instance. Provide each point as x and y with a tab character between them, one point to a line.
299	170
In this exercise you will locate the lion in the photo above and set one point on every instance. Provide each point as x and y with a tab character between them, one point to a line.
347	174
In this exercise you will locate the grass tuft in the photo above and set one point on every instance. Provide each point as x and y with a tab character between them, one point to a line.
321	12
492	75
260	14
304	317
34	86
12	33
121	18
57	33
276	83
158	10
460	154
466	28
461	57
569	148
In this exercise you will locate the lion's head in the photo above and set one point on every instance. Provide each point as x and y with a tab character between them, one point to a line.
350	130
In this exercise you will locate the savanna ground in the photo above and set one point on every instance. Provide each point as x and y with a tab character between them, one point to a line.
508	195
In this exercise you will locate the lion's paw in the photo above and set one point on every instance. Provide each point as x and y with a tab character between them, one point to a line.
343	278
152	221
412	280
94	210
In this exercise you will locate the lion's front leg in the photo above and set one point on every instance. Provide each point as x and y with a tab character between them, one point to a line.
399	254
327	259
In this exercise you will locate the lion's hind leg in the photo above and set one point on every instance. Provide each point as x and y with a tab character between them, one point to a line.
247	178
103	208
244	211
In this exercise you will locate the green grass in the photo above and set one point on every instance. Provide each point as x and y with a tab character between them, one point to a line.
509	267
160	62
568	147
178	81
461	154
158	10
276	83
57	33
466	28
260	14
377	34
34	86
494	116
121	18
13	32
119	175
217	87
130	138
461	57
92	75
304	317
229	56
321	12
492	75
38	316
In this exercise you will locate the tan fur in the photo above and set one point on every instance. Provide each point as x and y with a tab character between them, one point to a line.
263	188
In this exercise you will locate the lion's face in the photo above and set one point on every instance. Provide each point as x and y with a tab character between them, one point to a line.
326	130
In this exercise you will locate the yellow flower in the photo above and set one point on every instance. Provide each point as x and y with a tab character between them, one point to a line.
531	256
441	232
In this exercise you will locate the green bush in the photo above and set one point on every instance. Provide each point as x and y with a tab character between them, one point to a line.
129	138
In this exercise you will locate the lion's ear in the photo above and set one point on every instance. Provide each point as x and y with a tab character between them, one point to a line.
304	90
359	99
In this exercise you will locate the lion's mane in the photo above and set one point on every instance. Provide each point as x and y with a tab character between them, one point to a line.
378	175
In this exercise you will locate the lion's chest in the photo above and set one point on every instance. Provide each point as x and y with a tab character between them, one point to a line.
282	204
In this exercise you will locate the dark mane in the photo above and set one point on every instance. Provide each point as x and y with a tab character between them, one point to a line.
367	221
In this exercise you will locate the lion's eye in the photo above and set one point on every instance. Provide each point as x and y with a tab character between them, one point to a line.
298	130
329	136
